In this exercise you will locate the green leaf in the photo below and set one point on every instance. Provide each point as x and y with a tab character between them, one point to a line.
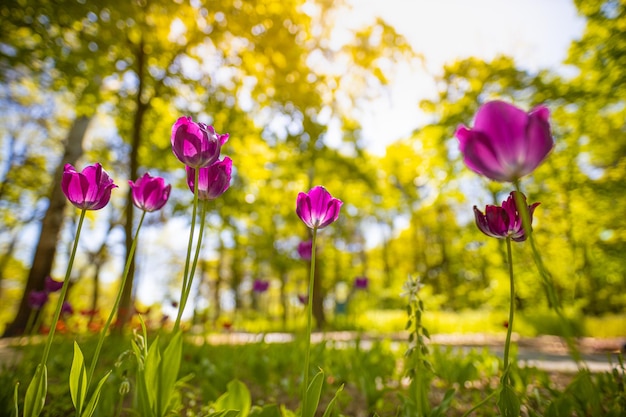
313	393
237	397
95	397
331	405
225	413
151	375
78	379
36	392
270	410
508	403
15	399
169	367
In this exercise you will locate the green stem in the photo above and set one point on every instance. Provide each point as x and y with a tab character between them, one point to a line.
189	246
66	281
309	321
480	404
509	331
194	263
105	329
547	281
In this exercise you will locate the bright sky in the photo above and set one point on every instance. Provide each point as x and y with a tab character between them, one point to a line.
537	33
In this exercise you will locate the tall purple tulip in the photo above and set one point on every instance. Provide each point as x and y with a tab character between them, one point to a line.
37	299
317	208
504	222
213	180
51	285
506	143
89	189
196	145
149	193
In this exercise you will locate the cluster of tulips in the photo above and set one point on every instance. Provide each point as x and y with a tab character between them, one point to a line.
505	144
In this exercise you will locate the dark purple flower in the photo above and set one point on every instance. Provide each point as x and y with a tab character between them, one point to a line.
260	286
361	283
213	180
66	308
504	222
50	285
89	189
305	249
37	299
196	145
317	208
506	143
149	193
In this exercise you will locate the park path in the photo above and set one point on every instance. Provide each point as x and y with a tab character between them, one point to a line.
548	353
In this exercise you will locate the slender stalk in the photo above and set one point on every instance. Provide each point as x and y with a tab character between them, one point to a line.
194	263
509	331
64	288
546	277
309	321
105	329
189	245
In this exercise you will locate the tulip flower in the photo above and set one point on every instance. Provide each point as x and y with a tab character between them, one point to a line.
304	250
51	285
196	145
149	193
504	222
260	286
37	299
67	308
89	189
361	283
506	143
317	208
213	180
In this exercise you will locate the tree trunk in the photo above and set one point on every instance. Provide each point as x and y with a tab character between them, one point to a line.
50	227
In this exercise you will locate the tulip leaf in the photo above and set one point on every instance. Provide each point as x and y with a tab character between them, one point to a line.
36	392
169	367
313	393
95	397
331	405
78	379
508	403
237	397
151	375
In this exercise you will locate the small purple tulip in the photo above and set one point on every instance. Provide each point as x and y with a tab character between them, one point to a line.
504	222
37	299
361	283
196	145
50	285
317	208
66	308
260	286
149	193
305	249
89	189
213	180
506	143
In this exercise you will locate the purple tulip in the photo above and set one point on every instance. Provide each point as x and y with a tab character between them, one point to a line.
50	285
87	190
149	193
66	308
317	208
260	286
305	249
504	222
37	299
506	143
361	283
213	180
196	145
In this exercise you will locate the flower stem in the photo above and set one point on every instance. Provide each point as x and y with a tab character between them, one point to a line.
64	288
509	331
194	263
189	246
309	321
546	277
118	298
